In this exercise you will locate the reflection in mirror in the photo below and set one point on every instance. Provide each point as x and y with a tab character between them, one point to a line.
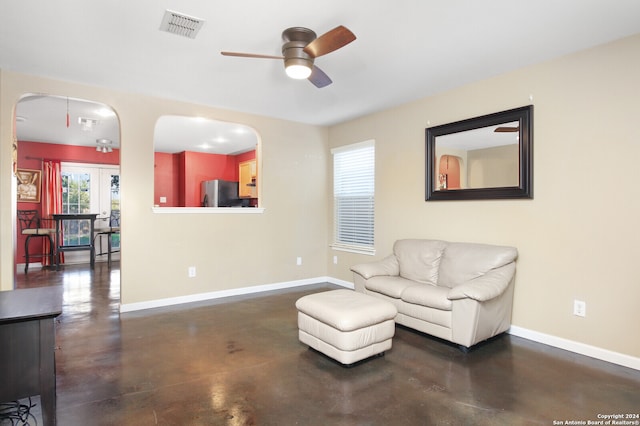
204	163
486	157
480	158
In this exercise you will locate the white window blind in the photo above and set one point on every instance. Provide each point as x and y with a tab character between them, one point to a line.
353	197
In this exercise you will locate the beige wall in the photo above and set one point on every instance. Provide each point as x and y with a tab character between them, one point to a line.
229	251
493	167
579	237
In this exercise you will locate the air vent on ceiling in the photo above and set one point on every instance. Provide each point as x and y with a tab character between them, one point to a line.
87	124
181	24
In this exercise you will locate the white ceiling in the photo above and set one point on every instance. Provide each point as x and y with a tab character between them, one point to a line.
56	119
405	49
176	133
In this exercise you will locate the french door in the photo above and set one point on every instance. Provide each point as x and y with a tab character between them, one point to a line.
89	188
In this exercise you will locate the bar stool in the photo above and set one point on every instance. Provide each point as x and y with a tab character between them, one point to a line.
31	225
113	228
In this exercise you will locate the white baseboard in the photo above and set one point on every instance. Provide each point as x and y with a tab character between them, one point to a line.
159	303
547	339
577	347
342	283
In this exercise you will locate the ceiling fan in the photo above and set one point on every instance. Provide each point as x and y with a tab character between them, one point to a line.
506	129
300	48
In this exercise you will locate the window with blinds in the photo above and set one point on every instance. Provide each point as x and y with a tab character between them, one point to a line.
353	197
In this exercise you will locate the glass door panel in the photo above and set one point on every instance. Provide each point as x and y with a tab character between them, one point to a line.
89	189
76	198
109	202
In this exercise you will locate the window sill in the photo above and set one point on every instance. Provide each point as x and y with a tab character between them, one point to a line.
358	250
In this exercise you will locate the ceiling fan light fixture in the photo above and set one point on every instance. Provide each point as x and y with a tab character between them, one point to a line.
298	72
297	68
104	145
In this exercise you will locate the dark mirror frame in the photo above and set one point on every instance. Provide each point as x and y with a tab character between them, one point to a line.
524	115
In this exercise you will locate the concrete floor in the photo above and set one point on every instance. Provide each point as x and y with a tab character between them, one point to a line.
238	361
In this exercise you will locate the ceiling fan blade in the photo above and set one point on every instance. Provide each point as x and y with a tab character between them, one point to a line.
250	55
319	78
328	42
506	129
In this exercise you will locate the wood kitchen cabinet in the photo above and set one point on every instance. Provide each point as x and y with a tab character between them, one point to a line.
248	186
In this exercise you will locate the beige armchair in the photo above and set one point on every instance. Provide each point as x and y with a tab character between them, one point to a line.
461	292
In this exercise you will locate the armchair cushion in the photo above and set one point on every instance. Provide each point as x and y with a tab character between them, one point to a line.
462	262
427	295
389	286
419	260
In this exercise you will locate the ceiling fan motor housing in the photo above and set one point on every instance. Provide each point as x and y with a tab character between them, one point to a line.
294	54
298	34
295	40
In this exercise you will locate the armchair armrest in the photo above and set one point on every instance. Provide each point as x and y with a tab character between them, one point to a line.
387	266
486	287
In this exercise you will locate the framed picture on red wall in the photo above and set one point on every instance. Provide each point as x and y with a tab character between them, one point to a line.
29	183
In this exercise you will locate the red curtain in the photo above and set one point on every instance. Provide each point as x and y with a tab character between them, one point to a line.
51	196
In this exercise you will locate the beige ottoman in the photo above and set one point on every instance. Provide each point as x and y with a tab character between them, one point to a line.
345	325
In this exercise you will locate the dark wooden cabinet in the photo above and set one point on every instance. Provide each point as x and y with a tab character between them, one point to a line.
27	346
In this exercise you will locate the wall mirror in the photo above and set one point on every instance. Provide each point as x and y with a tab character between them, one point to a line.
200	162
487	157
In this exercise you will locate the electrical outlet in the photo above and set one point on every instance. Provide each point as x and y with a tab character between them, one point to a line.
192	271
579	308
163	200
335	260
298	260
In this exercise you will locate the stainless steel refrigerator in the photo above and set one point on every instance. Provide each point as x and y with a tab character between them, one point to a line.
219	193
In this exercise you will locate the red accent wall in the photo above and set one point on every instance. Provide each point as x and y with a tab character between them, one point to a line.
69	153
251	155
167	167
178	176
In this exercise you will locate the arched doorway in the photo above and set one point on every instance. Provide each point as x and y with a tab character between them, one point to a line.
77	142
449	172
